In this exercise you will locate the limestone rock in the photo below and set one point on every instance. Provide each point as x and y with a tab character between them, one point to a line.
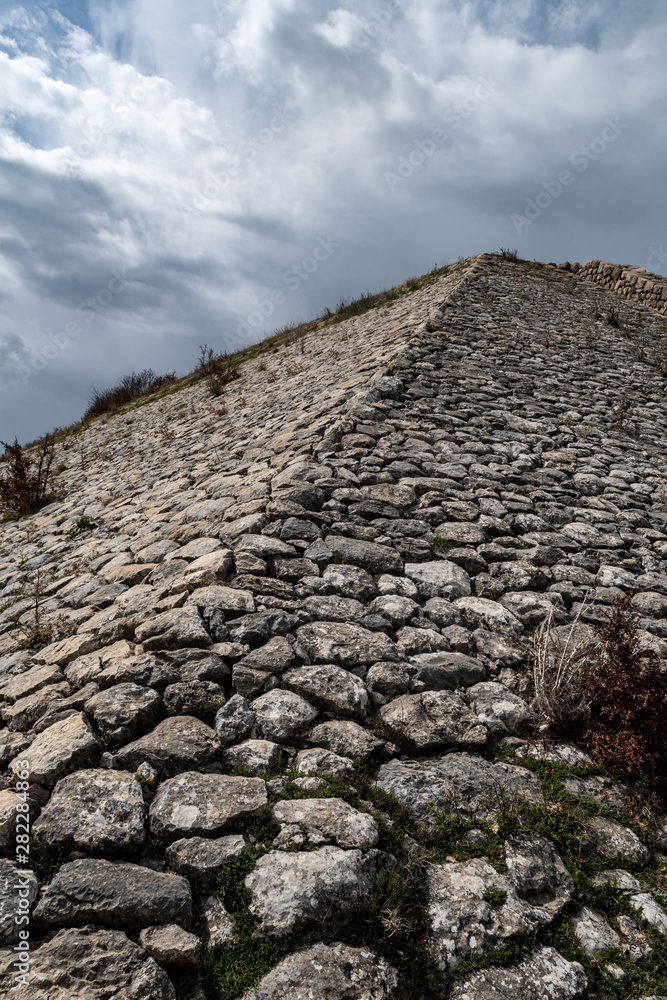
62	748
457	782
324	821
89	963
176	744
169	944
331	688
279	714
345	644
329	972
198	857
113	893
435	720
95	811
543	973
289	893
194	804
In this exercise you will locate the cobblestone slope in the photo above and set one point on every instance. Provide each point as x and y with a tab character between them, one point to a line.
283	745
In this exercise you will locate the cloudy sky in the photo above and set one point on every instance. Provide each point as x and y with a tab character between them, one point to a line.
178	173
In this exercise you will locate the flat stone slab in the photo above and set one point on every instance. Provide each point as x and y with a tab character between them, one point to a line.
347	739
329	972
112	893
288	893
374	558
457	782
169	944
94	811
175	629
135	708
195	804
197	857
445	671
178	743
321	821
330	688
64	747
440	578
543	973
88	963
346	644
435	720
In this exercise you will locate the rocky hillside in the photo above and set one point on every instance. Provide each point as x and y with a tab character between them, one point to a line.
265	666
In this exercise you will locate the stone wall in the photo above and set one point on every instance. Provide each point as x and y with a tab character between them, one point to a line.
629	281
291	652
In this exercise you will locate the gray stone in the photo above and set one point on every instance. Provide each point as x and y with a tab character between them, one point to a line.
198	857
289	893
346	644
463	924
169	944
444	671
62	748
542	974
235	721
375	559
329	972
347	739
323	762
280	714
235	602
18	892
439	579
193	697
321	821
619	877
457	782
12	745
478	612
651	911
89	963
215	925
330	688
348	581
135	709
96	811
499	709
607	838
112	893
256	757
331	608
537	873
173	630
274	657
592	931
435	720
176	744
194	804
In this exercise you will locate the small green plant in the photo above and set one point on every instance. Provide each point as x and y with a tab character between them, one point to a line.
495	897
440	544
508	254
84	523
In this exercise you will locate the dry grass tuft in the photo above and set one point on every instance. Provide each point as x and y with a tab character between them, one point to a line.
25	485
558	668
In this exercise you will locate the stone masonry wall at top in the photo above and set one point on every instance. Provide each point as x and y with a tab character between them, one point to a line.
631	282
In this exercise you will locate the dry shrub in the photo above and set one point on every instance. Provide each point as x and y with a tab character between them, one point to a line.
216	368
559	662
627	692
131	387
25	483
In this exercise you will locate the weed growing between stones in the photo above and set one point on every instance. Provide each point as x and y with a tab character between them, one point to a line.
82	524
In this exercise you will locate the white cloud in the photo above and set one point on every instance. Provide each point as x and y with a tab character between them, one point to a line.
203	148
